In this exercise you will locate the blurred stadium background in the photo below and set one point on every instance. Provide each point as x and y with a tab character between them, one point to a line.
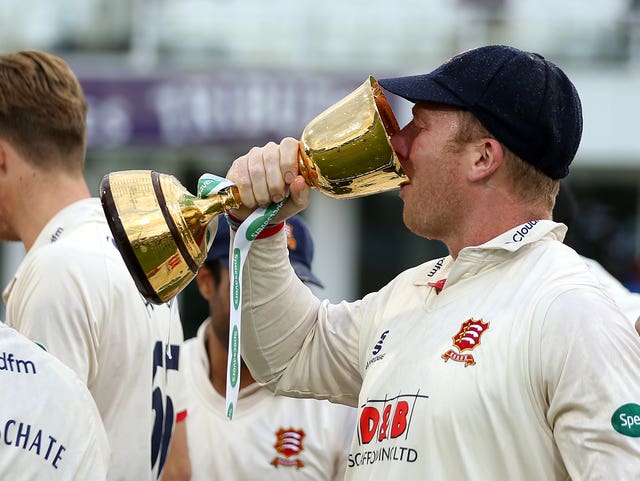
185	86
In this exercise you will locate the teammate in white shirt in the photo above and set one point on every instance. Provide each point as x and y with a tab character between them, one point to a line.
270	437
72	292
50	429
504	360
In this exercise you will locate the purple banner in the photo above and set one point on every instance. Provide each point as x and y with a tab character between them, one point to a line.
192	109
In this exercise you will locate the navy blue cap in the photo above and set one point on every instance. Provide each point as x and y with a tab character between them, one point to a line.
300	246
299	242
525	101
219	250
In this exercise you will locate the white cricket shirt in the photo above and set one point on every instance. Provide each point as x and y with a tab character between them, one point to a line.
50	429
520	368
270	437
628	301
73	294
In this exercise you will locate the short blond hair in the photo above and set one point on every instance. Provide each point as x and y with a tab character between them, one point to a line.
531	184
43	110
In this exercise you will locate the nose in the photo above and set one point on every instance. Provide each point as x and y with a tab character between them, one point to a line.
402	140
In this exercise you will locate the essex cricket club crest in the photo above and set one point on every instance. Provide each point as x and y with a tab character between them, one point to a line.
288	444
468	338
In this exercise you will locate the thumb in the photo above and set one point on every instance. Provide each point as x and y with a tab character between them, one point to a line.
300	193
299	198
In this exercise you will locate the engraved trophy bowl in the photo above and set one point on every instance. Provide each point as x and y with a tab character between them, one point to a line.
164	232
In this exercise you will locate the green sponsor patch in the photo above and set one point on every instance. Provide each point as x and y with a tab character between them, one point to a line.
626	420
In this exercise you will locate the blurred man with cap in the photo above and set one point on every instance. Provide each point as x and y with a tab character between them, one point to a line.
504	360
270	437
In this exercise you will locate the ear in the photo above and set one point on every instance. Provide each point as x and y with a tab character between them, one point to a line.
488	157
4	154
206	286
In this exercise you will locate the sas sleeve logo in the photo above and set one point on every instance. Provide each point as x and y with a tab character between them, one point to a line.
467	338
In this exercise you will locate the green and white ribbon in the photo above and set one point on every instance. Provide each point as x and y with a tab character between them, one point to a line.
245	235
210	183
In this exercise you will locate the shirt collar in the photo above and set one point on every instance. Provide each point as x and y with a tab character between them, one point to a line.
473	258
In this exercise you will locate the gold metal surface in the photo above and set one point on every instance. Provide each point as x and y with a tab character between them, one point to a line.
346	151
164	232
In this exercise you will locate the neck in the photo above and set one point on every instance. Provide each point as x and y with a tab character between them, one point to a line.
488	217
42	199
218	364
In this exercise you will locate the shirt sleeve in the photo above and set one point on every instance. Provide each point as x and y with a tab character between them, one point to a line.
590	360
627	300
291	341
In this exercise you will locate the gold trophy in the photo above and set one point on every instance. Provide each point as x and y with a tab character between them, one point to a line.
162	231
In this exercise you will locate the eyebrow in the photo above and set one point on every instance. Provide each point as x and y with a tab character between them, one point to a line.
424	119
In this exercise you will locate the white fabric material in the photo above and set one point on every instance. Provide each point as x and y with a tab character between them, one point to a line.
628	301
73	294
515	370
318	432
50	428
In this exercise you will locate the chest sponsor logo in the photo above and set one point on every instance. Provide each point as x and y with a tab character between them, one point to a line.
375	353
626	420
289	445
384	426
467	339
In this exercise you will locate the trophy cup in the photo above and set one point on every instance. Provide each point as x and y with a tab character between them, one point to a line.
162	231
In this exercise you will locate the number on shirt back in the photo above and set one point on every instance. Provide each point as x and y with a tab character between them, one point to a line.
162	405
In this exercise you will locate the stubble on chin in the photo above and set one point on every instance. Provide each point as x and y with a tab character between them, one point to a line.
7	234
415	216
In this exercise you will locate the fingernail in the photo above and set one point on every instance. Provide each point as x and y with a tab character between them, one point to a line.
288	177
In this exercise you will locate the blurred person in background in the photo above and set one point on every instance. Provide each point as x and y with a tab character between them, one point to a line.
565	211
270	437
50	427
72	292
504	360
